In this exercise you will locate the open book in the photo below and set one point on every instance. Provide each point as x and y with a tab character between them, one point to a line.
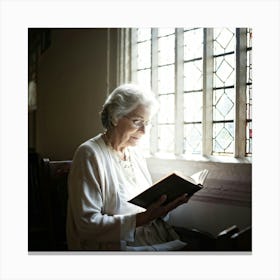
172	185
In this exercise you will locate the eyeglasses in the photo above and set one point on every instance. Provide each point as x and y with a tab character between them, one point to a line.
138	123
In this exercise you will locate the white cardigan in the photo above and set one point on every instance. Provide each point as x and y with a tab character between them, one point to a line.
98	218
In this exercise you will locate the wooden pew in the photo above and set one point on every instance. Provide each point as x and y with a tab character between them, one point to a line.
54	178
228	240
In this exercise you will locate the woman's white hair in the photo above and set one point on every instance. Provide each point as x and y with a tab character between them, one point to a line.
125	99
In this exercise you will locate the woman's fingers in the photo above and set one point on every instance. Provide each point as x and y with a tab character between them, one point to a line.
157	209
159	202
177	202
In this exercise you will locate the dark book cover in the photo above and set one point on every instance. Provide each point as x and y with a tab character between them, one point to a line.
173	185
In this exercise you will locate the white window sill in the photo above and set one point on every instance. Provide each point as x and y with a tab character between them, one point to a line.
199	158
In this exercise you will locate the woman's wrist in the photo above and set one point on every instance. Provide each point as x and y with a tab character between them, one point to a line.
141	219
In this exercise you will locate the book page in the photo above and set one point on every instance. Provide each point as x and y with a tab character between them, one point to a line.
200	177
188	178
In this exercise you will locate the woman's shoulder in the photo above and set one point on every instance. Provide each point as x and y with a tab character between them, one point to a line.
91	146
92	142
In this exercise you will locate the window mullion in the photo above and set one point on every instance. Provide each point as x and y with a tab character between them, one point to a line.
179	92
127	65
240	95
134	55
154	84
124	73
207	114
120	56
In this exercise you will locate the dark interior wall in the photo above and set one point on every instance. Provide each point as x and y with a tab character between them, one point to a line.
72	85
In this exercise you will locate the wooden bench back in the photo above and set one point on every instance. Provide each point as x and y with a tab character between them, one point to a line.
54	181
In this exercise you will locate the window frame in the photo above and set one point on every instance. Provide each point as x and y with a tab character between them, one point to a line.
126	73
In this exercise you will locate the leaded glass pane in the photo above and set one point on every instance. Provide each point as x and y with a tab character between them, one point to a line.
193	107
249	94
249	66
165	31
191	53
249	138
166	79
193	138
143	34
223	104
224	98
223	137
224	74
166	138
166	50
144	55
249	102
193	44
193	75
166	111
144	77
249	37
224	40
145	140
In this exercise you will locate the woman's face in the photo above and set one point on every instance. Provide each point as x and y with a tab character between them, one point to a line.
131	127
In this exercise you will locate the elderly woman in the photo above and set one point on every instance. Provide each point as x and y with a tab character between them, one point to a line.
107	171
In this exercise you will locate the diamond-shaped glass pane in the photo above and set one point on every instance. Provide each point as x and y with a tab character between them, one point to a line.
193	139
193	75
166	50
193	107
193	44
166	138
223	104
166	111
144	55
223	137
143	34
224	40
224	71
166	79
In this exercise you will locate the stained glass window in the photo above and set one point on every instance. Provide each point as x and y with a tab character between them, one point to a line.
249	94
143	34
193	72
143	47
166	47
166	138
193	137
166	82
143	69
166	88
223	90
193	84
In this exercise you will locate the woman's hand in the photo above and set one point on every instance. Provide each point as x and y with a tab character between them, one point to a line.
157	209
